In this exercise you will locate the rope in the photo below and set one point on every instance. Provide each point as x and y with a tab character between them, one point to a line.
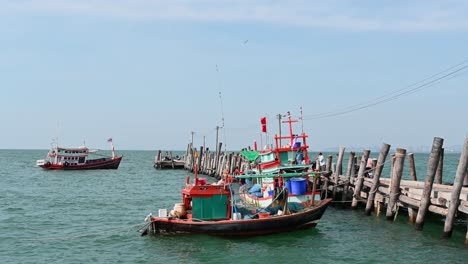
83	235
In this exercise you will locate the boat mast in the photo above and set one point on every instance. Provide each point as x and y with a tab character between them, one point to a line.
290	121
112	147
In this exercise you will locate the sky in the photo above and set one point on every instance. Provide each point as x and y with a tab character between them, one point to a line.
149	73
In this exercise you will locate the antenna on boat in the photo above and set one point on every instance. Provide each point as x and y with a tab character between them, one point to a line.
222	110
302	122
112	147
57	134
290	121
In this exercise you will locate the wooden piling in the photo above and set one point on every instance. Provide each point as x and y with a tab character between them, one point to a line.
338	170
412	212
440	168
457	185
431	171
328	163
360	178
349	173
412	167
396	178
465	182
200	156
375	181
351	169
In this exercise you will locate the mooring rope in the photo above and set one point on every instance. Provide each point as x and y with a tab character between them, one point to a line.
114	230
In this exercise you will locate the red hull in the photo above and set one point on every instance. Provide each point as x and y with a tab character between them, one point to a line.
107	163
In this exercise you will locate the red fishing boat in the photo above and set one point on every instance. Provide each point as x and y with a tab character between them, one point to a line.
287	164
81	158
211	209
292	156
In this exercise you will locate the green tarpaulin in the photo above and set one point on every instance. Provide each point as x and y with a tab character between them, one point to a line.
250	155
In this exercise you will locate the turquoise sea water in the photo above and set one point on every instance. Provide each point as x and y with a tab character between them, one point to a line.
93	217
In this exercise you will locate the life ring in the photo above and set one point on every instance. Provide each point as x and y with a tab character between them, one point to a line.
66	164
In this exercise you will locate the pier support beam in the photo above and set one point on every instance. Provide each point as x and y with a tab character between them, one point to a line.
375	181
412	167
440	168
457	185
431	171
396	178
338	170
350	172
360	178
328	163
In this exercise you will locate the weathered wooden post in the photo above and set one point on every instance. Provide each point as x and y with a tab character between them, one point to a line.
457	185
338	170
192	157
392	167
187	152
375	181
412	167
360	178
396	178
328	163
440	168
349	173
158	158
217	154
200	156
351	169
431	171
465	183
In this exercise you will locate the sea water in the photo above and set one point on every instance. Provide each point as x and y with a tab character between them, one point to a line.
94	216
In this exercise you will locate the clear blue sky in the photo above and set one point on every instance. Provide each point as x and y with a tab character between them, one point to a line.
144	72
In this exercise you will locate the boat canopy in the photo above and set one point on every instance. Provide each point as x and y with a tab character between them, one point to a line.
272	175
250	155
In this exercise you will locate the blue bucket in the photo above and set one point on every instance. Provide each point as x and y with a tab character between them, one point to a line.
288	185
298	186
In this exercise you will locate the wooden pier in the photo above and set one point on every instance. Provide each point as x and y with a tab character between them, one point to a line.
378	192
168	161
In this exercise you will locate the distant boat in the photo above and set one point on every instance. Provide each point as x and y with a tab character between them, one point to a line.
59	158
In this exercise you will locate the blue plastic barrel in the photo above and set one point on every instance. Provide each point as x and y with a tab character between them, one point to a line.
298	186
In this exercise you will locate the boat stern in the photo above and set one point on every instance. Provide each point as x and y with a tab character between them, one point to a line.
41	162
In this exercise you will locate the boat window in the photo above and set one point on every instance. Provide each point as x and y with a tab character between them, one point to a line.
268	157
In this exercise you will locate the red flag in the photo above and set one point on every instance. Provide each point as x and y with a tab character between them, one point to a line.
263	122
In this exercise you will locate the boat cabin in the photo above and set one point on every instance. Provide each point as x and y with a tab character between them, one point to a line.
71	156
207	202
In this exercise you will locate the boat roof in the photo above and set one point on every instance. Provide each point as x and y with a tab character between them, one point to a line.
272	175
82	148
